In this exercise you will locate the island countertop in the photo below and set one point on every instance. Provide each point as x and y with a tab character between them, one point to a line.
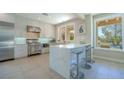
62	57
69	46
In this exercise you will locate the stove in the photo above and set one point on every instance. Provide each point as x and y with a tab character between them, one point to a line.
34	47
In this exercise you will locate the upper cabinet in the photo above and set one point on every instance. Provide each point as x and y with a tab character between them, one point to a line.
66	33
33	29
21	26
33	32
69	32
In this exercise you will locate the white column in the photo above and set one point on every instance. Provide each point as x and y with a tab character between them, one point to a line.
123	31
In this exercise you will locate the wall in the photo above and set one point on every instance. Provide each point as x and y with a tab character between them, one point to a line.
47	30
20	30
89	29
21	23
113	55
78	37
21	26
7	17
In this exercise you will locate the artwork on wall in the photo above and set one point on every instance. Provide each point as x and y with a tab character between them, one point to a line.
81	29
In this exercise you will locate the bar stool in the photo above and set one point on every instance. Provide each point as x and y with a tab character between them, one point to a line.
79	75
88	58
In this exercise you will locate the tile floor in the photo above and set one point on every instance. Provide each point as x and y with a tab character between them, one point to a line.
37	67
103	69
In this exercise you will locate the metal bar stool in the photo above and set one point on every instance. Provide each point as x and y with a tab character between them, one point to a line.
88	58
79	75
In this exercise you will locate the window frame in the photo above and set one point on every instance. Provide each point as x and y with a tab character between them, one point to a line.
65	25
105	17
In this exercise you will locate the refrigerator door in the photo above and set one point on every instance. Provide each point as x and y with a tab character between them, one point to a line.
6	36
6	53
6	43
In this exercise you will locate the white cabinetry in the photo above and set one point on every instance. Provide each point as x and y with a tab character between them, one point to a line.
66	33
63	59
21	50
45	50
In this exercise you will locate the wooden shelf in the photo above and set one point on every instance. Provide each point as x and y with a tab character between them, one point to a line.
33	29
116	20
33	32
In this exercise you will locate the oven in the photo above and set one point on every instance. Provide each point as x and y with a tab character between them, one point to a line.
34	47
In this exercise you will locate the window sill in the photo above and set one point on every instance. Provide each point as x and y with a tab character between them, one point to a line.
110	49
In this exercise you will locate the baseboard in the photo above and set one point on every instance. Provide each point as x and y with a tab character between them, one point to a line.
7	60
21	57
109	59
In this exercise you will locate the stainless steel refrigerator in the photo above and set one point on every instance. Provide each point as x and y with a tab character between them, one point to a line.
6	41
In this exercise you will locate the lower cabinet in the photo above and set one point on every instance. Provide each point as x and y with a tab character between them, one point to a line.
45	50
21	50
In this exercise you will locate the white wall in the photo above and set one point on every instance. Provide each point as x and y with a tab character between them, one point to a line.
21	23
7	17
88	22
78	37
47	30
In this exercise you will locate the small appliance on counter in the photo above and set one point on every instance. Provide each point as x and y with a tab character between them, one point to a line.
34	47
45	43
45	48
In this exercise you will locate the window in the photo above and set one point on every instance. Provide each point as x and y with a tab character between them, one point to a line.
109	33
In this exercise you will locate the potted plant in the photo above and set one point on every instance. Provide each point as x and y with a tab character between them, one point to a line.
116	40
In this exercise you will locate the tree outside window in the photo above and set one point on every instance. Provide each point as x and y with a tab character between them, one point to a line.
109	33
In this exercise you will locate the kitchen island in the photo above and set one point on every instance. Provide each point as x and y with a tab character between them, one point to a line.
63	57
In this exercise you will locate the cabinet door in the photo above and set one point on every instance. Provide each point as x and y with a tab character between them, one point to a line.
70	32
61	34
66	33
20	51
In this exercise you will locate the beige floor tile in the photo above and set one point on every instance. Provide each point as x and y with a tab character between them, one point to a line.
37	67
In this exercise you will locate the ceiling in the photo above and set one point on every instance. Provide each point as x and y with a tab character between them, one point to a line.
52	18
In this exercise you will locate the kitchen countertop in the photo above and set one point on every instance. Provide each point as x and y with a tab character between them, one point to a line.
69	46
63	56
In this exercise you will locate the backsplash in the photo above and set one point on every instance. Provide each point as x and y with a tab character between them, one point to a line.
45	40
20	40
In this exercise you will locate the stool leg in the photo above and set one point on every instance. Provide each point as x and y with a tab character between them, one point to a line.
79	75
77	66
87	66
